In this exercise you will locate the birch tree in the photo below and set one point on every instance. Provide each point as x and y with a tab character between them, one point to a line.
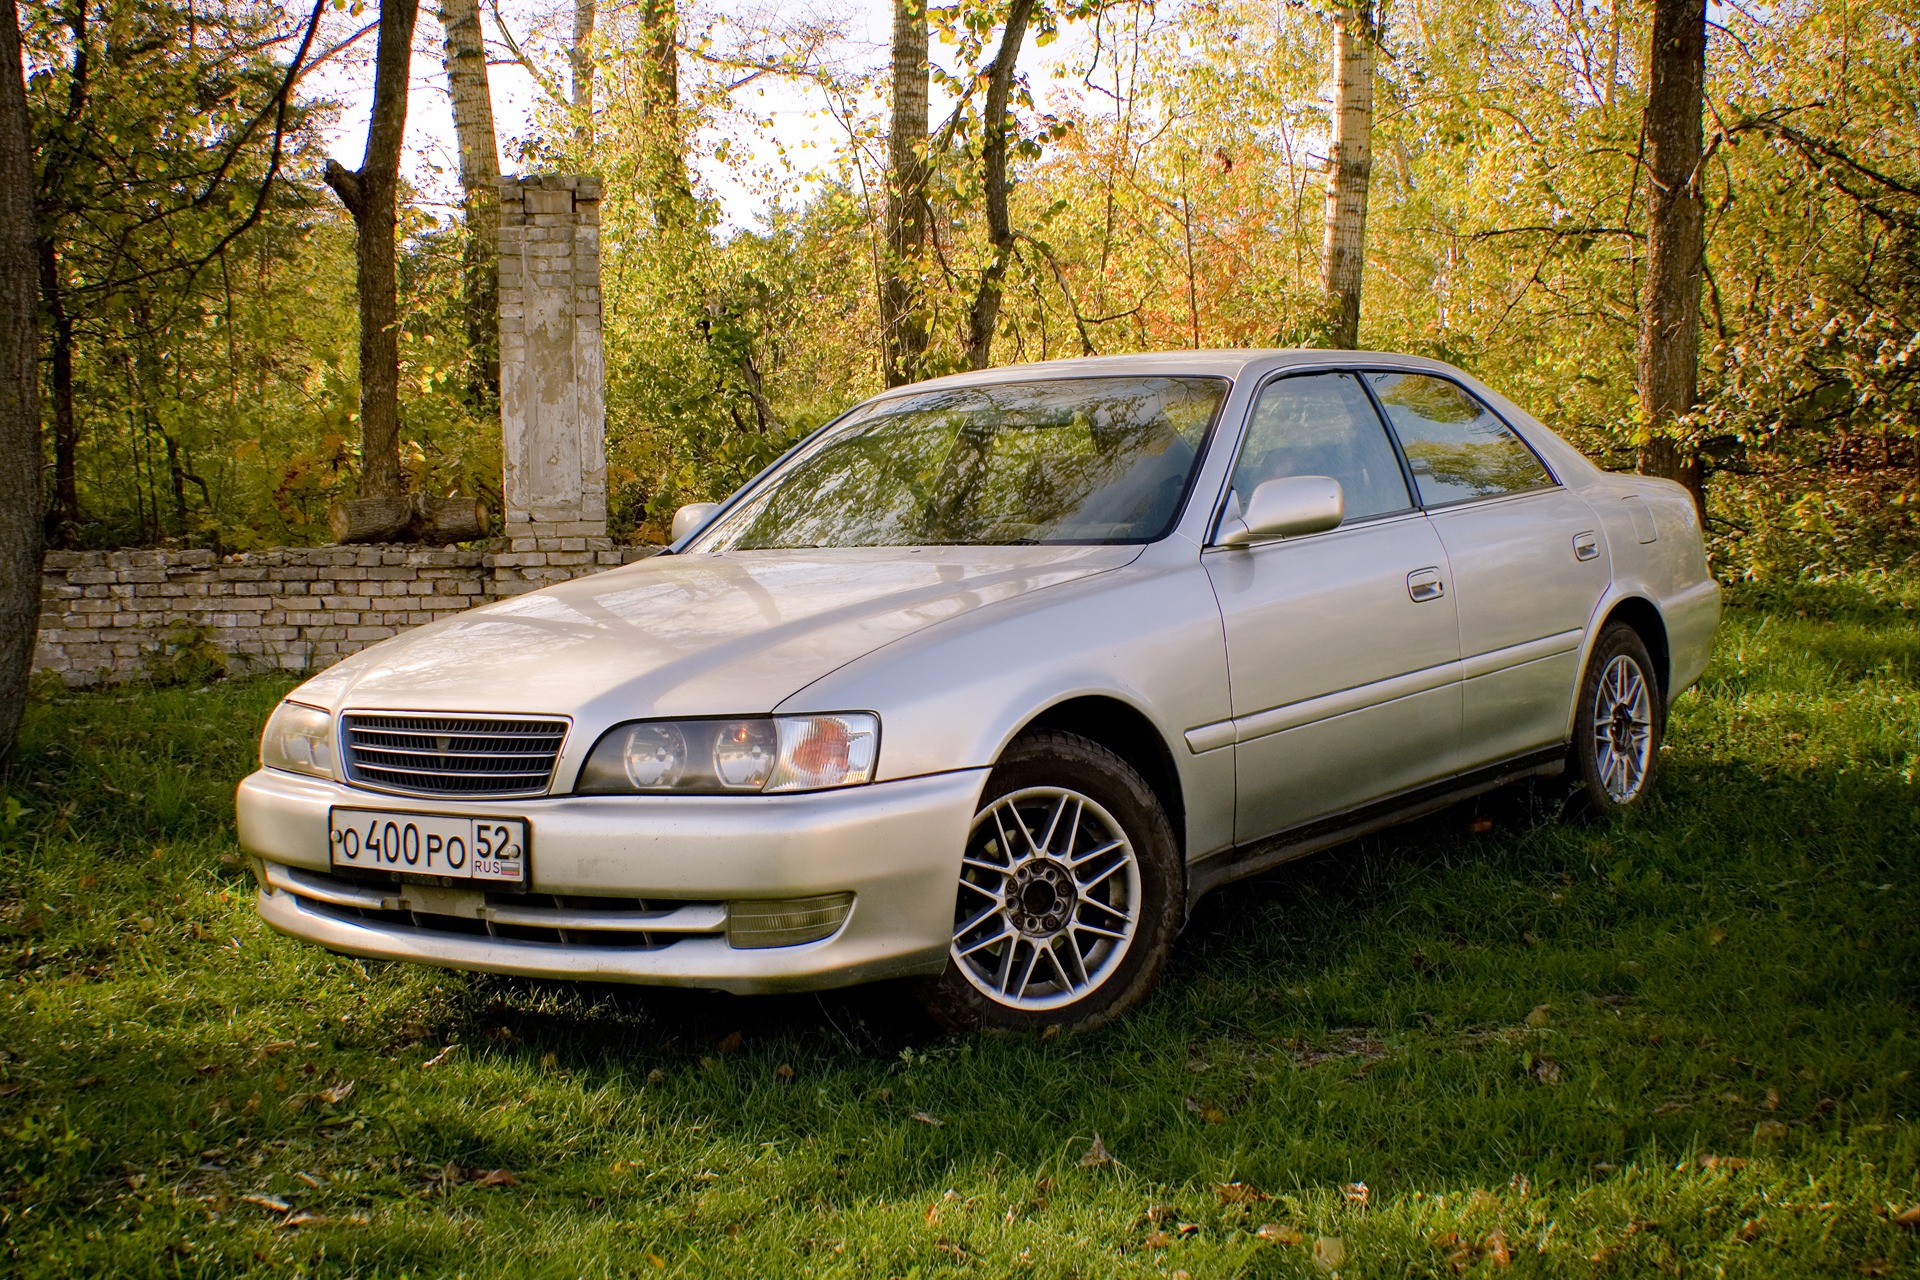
1349	170
467	87
903	327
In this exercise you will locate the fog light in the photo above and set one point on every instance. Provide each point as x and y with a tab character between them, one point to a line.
786	922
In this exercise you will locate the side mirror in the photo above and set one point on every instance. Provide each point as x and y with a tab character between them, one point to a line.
1287	508
691	517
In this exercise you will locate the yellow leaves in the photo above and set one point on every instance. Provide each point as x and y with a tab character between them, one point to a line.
1207	1112
1097	1155
1769	1131
1542	1016
1329	1253
1232	1193
1274	1233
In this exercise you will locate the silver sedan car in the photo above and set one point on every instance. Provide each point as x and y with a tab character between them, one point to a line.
988	681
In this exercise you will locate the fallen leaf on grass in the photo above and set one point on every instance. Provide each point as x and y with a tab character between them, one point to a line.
497	1178
440	1057
1751	1229
307	1178
783	1074
1097	1154
1734	1163
338	1093
1496	1248
1356	1193
1239	1193
1908	1217
1541	1016
1716	936
1482	825
1770	1130
1278	1234
273	1204
1874	1267
1158	1240
732	1043
1546	1070
935	1121
1772	1100
1206	1111
1329	1252
948	1247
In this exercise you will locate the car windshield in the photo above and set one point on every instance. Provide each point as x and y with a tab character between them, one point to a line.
1069	461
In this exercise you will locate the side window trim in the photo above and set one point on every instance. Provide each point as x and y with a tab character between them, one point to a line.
1246	426
1393	433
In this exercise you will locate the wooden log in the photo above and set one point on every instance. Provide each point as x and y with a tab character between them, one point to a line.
370	519
439	521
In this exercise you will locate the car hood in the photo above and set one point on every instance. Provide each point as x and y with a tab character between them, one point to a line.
732	633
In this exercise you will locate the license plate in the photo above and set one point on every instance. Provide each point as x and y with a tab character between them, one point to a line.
430	844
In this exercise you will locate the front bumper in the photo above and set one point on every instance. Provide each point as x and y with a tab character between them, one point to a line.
895	846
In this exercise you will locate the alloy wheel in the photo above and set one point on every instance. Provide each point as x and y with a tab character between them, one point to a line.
1049	899
1622	729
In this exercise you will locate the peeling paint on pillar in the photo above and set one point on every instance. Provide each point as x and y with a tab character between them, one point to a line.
552	368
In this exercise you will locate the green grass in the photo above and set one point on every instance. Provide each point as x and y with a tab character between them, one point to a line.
1679	1045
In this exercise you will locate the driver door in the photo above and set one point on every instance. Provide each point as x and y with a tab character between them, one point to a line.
1343	646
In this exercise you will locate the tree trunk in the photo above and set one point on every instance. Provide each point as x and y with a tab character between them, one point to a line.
370	194
984	317
63	517
466	63
580	60
1349	169
20	532
660	112
903	329
1668	353
442	520
408	518
376	519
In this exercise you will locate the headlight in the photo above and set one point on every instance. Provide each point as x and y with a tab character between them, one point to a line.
732	757
299	739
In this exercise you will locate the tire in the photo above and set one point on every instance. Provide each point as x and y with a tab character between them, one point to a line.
1617	727
1071	931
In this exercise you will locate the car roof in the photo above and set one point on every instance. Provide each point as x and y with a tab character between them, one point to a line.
1222	363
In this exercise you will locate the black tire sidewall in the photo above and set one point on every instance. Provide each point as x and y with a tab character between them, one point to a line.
1590	798
1056	759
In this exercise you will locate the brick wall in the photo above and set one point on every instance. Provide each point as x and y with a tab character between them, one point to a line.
104	615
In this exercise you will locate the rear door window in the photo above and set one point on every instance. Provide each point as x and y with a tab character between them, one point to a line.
1458	450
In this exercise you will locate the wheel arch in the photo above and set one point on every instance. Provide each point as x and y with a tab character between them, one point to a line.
1644	617
1126	731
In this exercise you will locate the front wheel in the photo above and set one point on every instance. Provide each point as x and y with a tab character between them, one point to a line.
1070	894
1616	733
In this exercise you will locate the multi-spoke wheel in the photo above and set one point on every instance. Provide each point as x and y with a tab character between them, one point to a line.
1616	738
1069	896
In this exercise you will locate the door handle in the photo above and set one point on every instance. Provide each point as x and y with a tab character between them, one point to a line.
1585	545
1424	585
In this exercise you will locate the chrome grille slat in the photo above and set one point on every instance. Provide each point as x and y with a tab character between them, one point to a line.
483	755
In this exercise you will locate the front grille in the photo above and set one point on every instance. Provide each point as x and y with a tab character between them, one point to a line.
428	755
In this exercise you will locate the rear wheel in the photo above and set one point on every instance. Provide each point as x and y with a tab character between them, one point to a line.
1617	728
1070	894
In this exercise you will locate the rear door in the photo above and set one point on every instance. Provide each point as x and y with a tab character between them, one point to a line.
1341	646
1529	562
